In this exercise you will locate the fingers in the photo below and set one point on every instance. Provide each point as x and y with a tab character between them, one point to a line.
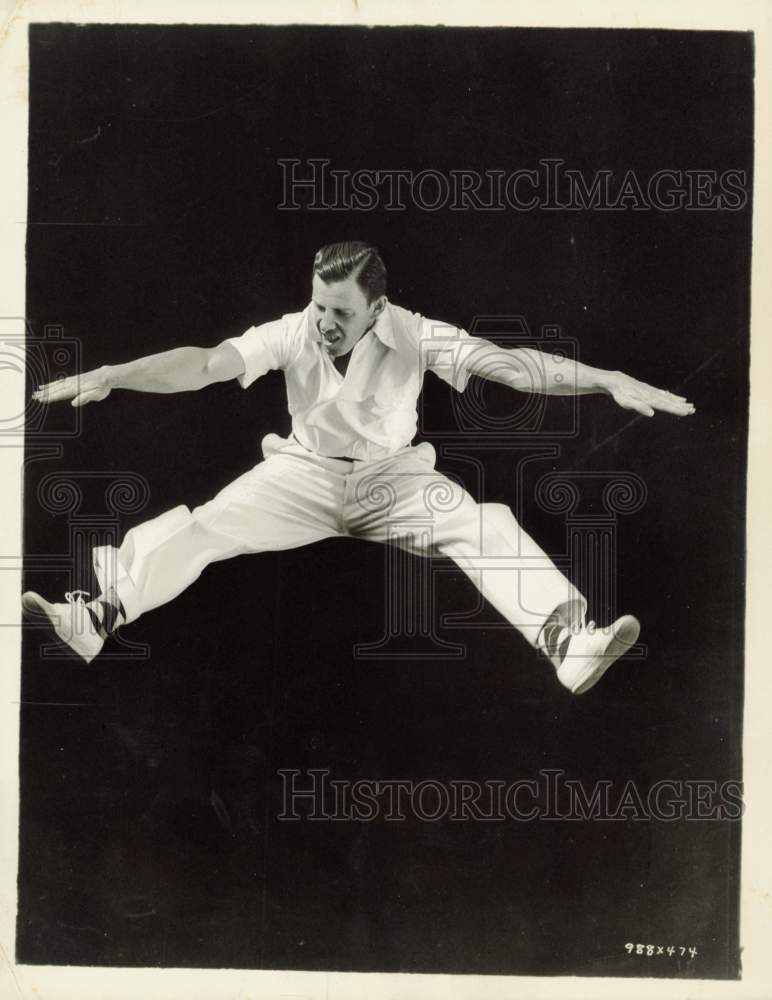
628	401
52	392
677	407
646	404
67	388
672	403
665	393
648	407
657	399
93	395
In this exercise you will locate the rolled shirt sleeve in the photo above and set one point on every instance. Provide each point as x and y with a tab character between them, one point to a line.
446	350
267	347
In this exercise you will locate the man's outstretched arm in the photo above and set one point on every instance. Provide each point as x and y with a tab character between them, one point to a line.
530	370
180	370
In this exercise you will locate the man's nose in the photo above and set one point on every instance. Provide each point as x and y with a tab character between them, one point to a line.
326	324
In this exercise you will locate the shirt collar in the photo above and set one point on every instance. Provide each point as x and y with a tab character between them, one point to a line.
383	328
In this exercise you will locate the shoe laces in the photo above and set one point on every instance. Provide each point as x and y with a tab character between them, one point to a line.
576	629
581	627
76	596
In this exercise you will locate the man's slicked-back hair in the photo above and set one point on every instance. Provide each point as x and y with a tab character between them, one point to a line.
338	261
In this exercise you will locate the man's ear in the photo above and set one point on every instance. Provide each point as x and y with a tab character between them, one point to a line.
379	305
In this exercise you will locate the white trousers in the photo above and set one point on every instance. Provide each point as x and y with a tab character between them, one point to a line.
295	497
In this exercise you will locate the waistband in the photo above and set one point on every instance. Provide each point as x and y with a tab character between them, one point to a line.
332	458
273	444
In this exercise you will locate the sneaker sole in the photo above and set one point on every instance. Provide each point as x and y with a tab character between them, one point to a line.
626	635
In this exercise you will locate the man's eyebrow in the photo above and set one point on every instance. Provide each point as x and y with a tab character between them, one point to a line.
334	309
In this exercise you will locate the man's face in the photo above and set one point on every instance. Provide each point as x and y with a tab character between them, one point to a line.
341	314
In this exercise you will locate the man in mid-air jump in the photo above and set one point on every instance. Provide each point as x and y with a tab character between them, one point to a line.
354	366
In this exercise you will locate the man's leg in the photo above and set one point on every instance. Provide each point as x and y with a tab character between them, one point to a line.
406	502
284	502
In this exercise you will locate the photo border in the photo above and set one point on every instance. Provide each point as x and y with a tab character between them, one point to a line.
756	911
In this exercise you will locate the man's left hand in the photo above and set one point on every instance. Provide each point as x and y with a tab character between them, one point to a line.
631	394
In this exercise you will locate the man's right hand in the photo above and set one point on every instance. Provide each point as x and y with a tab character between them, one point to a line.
90	387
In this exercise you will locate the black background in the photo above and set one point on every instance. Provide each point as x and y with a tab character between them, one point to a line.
149	791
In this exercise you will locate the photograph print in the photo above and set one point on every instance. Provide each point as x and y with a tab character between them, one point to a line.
384	499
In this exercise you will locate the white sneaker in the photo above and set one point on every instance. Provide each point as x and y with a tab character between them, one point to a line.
71	622
592	650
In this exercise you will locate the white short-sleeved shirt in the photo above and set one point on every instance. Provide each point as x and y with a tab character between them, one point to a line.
372	411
